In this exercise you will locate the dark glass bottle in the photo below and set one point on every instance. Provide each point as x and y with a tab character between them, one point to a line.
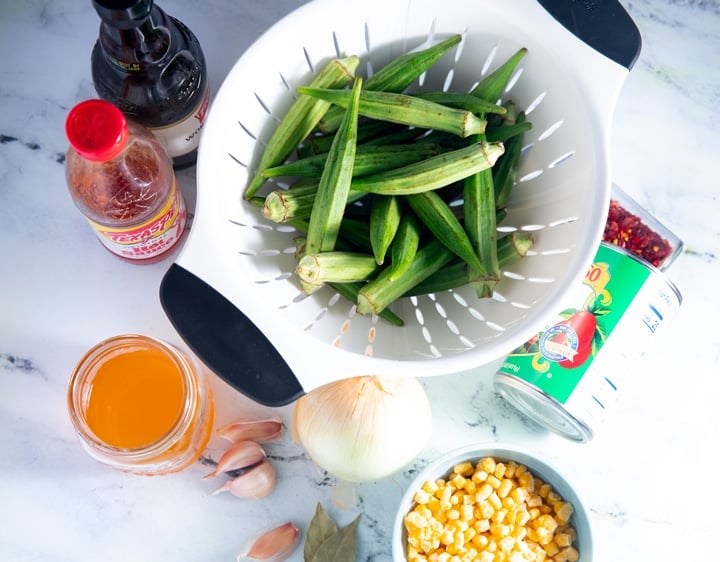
152	67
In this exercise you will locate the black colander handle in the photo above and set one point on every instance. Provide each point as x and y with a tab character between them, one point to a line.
603	24
226	340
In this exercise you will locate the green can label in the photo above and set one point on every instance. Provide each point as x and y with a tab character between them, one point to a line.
621	302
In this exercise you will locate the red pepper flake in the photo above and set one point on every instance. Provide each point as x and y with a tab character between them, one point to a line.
628	231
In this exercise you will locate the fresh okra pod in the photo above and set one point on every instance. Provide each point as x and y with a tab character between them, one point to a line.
479	192
459	100
405	110
385	214
369	159
505	173
301	118
376	295
479	214
493	85
432	173
396	76
351	290
509	248
332	192
439	219
368	130
405	244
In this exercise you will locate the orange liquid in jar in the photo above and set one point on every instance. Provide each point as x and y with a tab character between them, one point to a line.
136	397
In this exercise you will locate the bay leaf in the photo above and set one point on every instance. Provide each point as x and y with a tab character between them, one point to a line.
321	527
325	542
341	546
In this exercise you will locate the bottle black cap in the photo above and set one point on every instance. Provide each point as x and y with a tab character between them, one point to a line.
119	13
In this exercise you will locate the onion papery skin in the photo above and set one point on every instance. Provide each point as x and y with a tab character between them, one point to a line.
364	428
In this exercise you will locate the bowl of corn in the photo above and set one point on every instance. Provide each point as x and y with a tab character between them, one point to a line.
491	503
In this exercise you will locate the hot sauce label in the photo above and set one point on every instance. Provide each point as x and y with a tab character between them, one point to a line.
151	238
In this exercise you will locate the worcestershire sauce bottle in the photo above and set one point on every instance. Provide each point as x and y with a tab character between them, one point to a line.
151	66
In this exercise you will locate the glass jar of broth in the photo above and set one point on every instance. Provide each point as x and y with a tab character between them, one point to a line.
141	405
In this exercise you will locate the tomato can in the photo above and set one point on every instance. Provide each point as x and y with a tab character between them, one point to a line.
566	376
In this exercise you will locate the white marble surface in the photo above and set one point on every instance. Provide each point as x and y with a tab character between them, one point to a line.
649	478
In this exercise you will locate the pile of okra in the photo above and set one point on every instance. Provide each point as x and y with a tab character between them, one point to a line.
396	193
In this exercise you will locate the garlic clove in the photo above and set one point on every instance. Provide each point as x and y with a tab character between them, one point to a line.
261	431
240	455
257	483
274	545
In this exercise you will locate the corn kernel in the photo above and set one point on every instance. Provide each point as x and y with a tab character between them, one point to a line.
480	476
564	512
458	481
488	464
495	501
519	494
430	486
546	522
421	497
505	487
527	481
534	501
483	493
464	468
551	549
562	539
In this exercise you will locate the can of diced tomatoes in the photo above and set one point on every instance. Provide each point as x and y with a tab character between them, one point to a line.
566	376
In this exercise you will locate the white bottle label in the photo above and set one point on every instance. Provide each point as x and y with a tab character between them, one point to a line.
183	137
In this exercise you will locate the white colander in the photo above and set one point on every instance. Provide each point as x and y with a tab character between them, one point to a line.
232	294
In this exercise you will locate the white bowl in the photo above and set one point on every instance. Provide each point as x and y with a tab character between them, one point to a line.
232	294
540	468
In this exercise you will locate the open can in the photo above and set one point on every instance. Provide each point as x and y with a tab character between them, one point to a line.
566	376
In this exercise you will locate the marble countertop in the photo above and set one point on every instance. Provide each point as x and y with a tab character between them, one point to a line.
648	478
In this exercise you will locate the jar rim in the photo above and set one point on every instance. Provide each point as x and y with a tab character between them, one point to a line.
77	386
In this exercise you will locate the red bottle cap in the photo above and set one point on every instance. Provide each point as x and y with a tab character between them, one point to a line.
97	130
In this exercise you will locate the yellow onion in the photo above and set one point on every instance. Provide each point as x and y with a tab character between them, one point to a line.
364	428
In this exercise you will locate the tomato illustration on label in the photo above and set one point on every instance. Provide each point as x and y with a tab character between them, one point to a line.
571	342
584	323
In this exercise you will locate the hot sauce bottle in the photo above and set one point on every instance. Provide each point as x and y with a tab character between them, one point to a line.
152	67
121	178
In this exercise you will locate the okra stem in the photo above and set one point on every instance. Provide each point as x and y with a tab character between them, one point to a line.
336	267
